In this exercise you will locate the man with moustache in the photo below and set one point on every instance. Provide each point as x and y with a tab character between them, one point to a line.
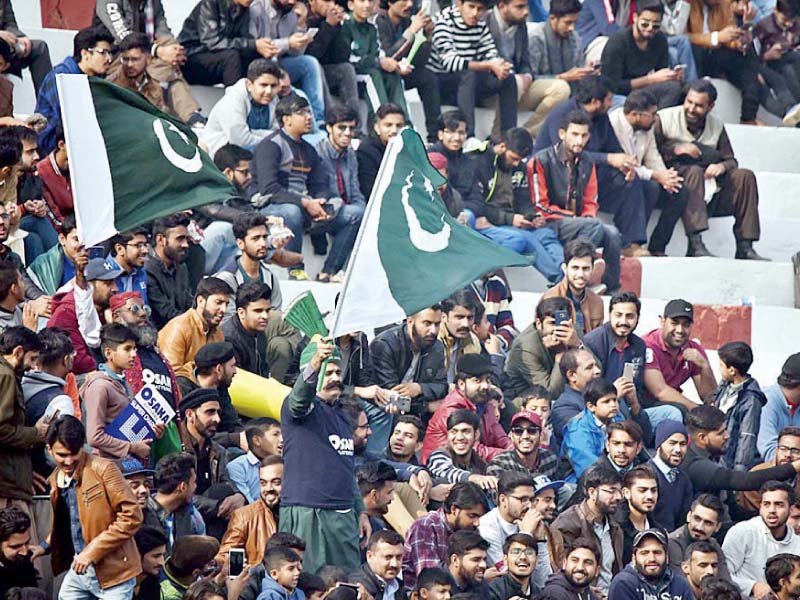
519	556
703	521
578	572
701	561
320	499
787	449
466	562
640	491
675	491
783	576
649	575
379	574
128	251
149	367
168	289
472	386
183	336
245	330
409	359
513	514
527	456
458	312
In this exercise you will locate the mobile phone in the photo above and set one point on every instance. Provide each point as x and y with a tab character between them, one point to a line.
679	68
531	216
561	316
235	562
328	208
96	252
629	371
312	31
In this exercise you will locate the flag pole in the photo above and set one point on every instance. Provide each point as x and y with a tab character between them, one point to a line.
394	143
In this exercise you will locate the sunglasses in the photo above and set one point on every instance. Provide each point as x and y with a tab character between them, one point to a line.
529	430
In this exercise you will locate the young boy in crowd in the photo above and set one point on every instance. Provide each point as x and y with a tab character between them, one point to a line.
433	583
585	438
105	394
382	75
283	571
740	398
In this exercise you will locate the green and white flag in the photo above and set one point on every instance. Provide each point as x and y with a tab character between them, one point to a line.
410	253
129	162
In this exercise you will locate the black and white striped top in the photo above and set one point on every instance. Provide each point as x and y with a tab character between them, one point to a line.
455	44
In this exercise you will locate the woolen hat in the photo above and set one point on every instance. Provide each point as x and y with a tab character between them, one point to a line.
198	397
474	365
213	354
666	429
791	368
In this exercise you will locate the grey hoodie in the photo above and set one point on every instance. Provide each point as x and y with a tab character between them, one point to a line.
10	319
34	382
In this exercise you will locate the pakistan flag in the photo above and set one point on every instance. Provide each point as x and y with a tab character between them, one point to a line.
410	253
129	162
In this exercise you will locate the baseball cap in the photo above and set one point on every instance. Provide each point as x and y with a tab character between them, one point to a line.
131	466
679	308
659	534
527	415
543	482
101	269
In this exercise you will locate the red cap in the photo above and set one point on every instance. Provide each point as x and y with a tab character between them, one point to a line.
528	416
438	160
118	300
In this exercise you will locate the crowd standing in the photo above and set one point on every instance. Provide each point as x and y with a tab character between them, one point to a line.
451	455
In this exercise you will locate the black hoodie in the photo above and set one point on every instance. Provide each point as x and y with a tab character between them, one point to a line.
559	588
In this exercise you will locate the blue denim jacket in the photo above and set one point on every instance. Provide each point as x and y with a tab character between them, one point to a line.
330	157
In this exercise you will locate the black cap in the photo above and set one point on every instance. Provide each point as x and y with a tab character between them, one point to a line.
198	397
657	533
679	308
213	354
474	365
791	368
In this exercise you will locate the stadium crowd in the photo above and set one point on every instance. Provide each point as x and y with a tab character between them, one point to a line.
451	455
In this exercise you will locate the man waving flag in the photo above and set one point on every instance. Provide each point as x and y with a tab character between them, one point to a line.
129	162
410	253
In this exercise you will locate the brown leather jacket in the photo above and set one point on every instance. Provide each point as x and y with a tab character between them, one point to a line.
181	338
109	516
720	15
250	527
576	522
591	306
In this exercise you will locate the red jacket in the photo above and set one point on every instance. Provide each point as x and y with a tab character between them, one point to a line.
493	438
56	189
64	316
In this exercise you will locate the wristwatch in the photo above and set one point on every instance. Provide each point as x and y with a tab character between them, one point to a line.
715	38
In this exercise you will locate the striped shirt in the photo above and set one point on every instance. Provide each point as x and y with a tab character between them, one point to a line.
455	44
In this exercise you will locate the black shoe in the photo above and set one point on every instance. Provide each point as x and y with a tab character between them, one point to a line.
745	251
197	120
696	246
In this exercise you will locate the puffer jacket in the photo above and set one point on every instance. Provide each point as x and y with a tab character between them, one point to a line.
109	516
743	422
217	25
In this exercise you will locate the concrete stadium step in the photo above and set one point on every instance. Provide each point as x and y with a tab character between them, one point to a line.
766	149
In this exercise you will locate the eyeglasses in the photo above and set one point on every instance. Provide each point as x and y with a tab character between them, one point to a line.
611	492
131	60
138	309
102	52
529	552
529	430
303	112
789	451
523	499
139	246
654	25
244	172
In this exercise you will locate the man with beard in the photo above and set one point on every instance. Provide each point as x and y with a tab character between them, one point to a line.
513	514
519	556
472	386
633	125
16	568
320	500
503	212
215	366
128	251
787	450
168	289
216	498
707	430
748	544
695	143
703	521
783	576
616	345
376	482
149	367
134	57
456	334
253	525
640	491
183	336
466	551
592	519
649	576
409	359
527	456
675	491
673	357
701	561
563	189
427	539
578	571
379	574
80	311
389	120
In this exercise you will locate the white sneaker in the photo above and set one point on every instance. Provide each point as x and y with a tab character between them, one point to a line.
792	116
